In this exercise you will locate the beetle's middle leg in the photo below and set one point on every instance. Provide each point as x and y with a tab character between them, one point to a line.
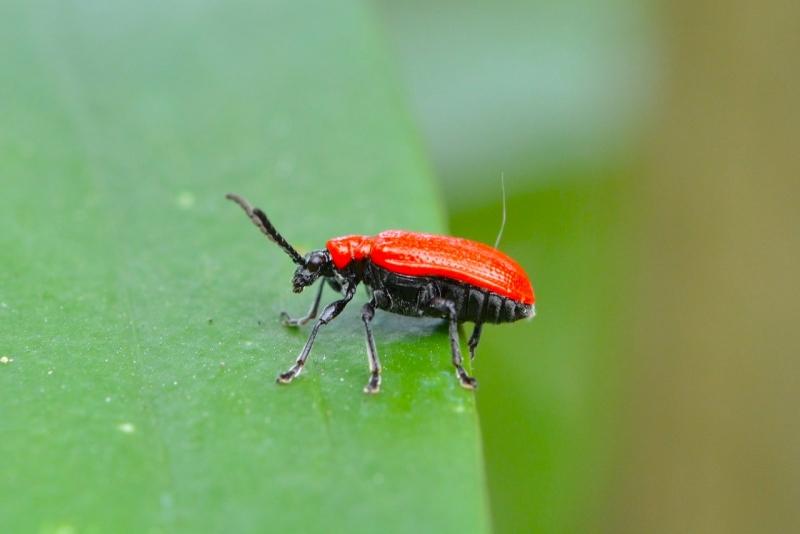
330	312
374	384
449	309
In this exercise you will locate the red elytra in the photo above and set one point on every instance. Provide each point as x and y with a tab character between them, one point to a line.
454	258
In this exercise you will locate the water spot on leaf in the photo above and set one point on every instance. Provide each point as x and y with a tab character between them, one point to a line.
61	529
185	200
126	428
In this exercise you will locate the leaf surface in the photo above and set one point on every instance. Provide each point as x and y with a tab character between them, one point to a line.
139	309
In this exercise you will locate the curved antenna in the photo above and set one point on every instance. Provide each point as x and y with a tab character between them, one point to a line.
503	223
260	219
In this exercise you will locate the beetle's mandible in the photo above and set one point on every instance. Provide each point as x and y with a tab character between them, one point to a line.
407	273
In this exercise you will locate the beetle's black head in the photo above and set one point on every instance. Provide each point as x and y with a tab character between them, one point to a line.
316	263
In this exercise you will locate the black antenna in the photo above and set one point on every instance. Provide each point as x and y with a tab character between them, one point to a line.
260	219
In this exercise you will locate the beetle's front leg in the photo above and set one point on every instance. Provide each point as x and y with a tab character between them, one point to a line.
312	312
330	312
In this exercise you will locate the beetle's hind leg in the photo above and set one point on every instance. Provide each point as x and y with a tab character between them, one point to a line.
312	312
449	309
374	384
474	339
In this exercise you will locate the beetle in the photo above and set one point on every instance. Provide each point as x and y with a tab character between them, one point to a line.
406	273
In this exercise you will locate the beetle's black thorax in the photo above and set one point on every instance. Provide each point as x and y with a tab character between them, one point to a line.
413	295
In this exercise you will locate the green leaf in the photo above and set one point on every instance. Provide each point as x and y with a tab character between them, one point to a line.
139	309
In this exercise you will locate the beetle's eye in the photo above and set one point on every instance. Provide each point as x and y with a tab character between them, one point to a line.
314	263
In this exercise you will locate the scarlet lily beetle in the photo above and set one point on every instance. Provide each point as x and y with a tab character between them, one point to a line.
407	273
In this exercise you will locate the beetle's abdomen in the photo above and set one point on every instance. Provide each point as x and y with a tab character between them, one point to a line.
413	295
430	255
